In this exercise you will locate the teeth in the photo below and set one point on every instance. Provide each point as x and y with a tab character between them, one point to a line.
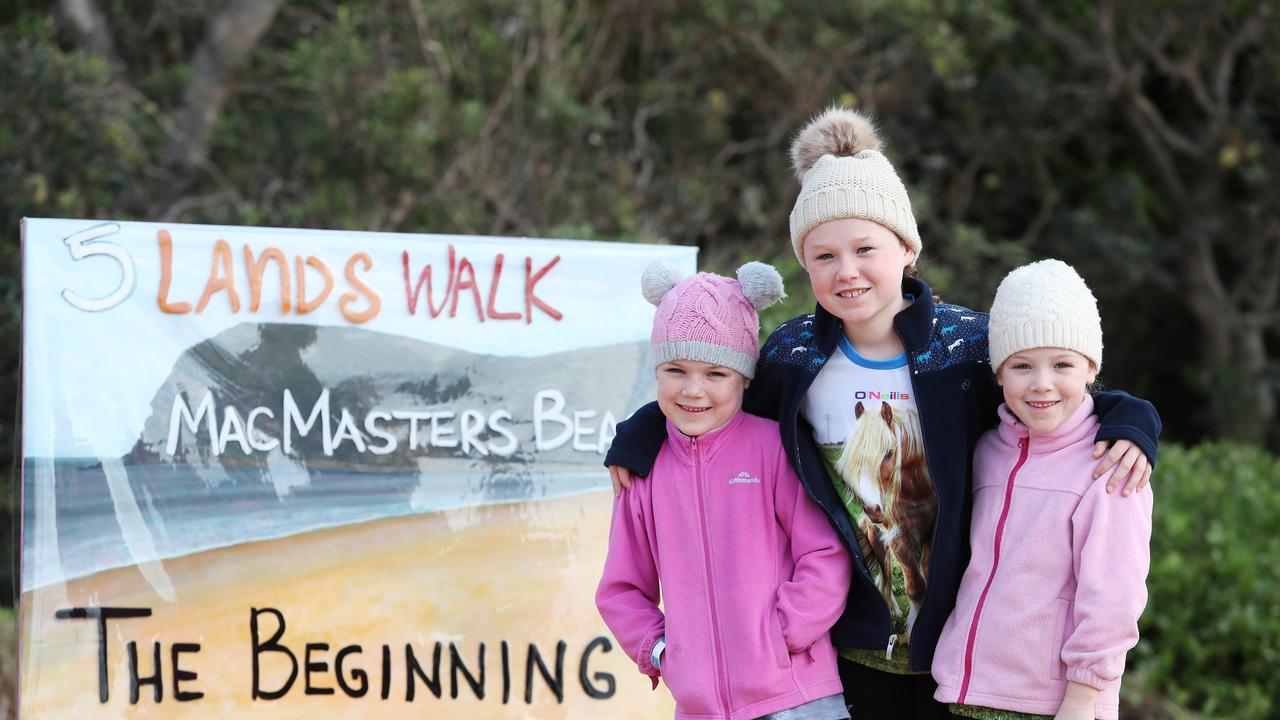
850	294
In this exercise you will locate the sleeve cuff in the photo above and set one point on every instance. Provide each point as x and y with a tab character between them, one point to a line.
628	461
1148	446
1087	677
644	659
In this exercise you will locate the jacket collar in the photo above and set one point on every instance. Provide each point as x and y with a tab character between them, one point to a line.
708	443
914	324
1081	425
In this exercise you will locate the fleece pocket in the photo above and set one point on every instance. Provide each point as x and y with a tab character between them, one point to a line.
671	671
777	640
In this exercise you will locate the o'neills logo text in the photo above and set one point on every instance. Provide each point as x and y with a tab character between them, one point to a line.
878	395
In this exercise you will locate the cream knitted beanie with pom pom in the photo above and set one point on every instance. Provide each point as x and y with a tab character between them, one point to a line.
843	174
1044	304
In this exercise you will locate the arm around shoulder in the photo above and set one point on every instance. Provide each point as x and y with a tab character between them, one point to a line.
764	394
1125	417
638	440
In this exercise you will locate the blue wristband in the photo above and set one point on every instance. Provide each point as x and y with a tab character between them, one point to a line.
656	655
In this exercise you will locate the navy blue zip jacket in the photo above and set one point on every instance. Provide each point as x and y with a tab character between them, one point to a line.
956	397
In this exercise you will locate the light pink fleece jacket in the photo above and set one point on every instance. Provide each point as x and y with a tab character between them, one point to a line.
1057	576
750	572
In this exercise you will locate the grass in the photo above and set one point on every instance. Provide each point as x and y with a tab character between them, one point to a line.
8	663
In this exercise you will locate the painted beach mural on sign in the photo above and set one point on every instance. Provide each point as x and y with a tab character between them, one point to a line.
299	473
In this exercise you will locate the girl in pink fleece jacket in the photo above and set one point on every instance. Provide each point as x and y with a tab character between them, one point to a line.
1050	601
723	578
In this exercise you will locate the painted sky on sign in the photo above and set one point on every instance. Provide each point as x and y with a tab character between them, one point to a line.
89	376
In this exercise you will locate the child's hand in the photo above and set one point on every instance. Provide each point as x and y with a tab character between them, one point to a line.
1134	471
1078	703
621	478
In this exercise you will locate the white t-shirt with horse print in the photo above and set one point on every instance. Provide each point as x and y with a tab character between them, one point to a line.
866	423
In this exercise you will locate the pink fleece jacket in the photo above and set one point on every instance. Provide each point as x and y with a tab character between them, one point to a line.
1057	576
751	575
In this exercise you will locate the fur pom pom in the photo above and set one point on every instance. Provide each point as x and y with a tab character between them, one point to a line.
657	281
837	131
761	284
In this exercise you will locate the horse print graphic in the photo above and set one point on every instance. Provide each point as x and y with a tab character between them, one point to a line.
883	464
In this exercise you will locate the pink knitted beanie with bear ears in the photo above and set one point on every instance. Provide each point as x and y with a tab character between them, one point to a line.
707	317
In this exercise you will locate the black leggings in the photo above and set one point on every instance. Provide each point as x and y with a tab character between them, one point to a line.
873	694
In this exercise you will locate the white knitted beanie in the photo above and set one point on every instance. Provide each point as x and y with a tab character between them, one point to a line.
843	174
1044	304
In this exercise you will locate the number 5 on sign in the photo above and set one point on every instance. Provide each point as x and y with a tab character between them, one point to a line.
88	243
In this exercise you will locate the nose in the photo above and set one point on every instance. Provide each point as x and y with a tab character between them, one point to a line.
1042	381
848	268
873	512
693	387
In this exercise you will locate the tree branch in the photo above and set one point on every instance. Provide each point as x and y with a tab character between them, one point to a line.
1050	197
496	111
230	37
1247	35
1207	280
1183	69
432	49
91	25
1270	295
760	48
1156	122
1076	49
1107	30
1159	157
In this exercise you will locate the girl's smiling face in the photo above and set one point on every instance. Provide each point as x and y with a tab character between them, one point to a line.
698	397
855	267
1045	386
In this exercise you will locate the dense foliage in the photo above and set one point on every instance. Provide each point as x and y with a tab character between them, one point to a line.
1211	632
1139	141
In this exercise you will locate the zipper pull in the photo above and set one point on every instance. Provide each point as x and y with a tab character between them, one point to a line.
888	650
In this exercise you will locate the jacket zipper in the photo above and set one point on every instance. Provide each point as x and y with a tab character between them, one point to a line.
711	591
933	481
995	564
794	414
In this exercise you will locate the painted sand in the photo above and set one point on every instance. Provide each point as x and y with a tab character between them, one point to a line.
523	572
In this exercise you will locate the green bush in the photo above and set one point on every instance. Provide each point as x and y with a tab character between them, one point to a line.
1211	631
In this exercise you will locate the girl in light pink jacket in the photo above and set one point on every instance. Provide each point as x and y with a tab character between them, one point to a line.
1050	601
723	578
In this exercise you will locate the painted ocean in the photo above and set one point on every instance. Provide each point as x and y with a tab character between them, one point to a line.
181	514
